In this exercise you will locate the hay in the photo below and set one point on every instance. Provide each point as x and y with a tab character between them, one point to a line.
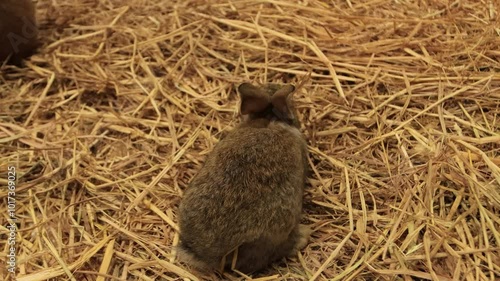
107	124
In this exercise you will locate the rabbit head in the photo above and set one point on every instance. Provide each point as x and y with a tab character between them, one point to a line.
270	101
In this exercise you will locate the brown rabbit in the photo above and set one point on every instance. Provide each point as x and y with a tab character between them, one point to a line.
18	30
245	203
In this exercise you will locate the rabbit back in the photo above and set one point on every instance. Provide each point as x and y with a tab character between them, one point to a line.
248	194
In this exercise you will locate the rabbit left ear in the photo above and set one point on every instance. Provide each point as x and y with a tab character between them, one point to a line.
281	101
253	99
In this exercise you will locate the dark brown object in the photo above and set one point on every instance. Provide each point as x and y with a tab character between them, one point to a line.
248	194
18	30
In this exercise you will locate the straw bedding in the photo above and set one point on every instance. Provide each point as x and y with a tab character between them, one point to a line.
400	103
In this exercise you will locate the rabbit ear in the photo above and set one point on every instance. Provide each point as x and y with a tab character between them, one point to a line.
281	101
253	99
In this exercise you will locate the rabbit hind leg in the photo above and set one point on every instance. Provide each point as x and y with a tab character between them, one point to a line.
254	256
299	238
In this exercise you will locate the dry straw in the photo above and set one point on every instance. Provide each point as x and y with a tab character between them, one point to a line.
109	121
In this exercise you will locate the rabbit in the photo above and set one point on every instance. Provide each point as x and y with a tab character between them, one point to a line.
242	209
18	29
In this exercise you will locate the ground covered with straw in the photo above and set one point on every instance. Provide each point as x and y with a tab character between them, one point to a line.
400	104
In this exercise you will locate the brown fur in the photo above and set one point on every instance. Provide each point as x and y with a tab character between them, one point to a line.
18	31
248	195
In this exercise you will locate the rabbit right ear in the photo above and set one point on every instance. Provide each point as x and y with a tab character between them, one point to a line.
253	99
282	103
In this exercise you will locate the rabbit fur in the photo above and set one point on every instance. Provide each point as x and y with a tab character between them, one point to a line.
18	29
242	210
